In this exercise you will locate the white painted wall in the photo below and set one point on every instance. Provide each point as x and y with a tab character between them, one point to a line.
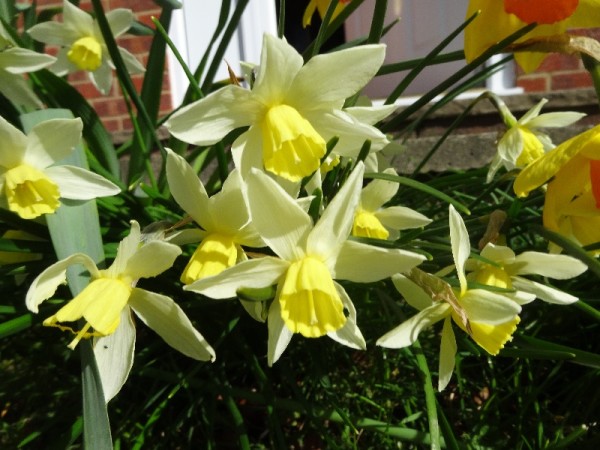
193	26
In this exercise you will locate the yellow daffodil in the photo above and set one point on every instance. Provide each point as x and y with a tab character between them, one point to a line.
30	184
308	300
489	317
224	220
373	220
106	303
524	141
14	62
500	18
321	6
82	44
508	269
292	110
572	203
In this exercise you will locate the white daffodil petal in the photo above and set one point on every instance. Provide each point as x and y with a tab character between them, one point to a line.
413	294
187	236
45	284
246	151
229	210
52	140
18	91
510	147
18	60
378	192
63	66
447	355
555	119
131	62
408	331
53	33
488	307
119	20
461	248
76	183
498	253
341	74
169	321
335	223
77	19
560	267
152	259
279	64
520	297
352	134
543	292
102	78
14	143
209	119
126	249
365	263
254	273
402	218
114	355
349	335
186	188
282	224
533	112
279	335
370	114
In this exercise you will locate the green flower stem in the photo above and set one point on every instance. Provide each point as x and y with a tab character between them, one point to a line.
430	400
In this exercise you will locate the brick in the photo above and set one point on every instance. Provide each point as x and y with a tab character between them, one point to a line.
558	62
570	80
537	83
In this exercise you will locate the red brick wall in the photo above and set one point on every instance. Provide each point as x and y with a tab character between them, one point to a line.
558	71
111	108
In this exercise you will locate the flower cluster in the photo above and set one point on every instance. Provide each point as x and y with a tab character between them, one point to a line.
299	216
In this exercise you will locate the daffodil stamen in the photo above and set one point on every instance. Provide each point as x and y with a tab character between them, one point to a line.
80	335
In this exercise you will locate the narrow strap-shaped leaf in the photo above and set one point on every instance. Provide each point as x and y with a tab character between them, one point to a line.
426	61
75	227
421	187
125	80
416	106
217	60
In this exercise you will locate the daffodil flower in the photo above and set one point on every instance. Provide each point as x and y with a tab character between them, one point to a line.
498	19
82	44
308	300
508	269
224	219
373	220
29	182
321	6
572	202
105	304
524	142
489	317
14	62
292	110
